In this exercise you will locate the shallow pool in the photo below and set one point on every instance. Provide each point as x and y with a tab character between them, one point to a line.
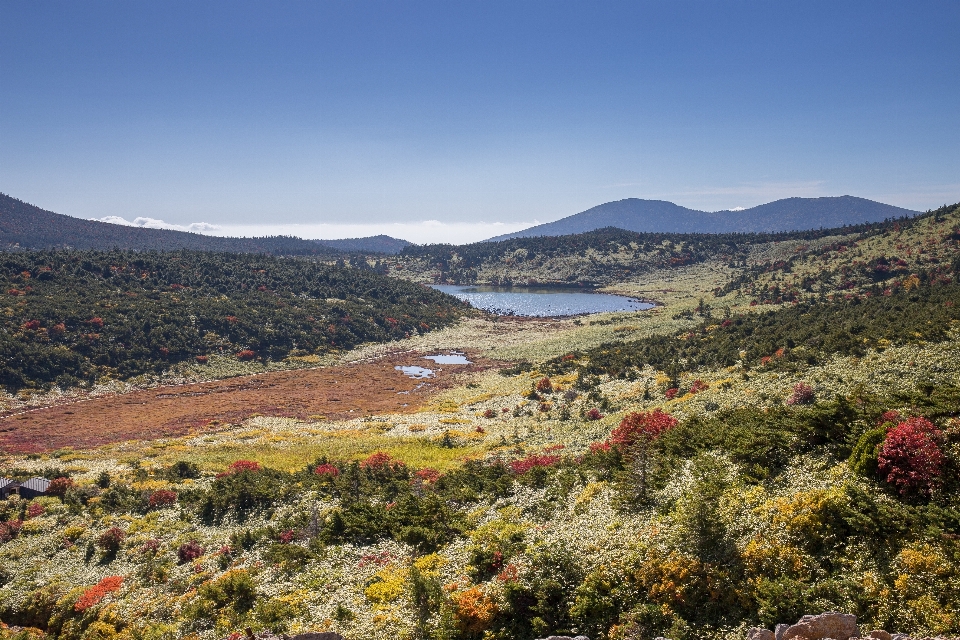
541	301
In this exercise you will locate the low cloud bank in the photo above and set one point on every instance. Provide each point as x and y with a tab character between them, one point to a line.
153	223
420	232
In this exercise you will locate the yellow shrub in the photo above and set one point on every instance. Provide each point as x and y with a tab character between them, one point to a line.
388	586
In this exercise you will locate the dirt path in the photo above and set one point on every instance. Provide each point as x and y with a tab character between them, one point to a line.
335	392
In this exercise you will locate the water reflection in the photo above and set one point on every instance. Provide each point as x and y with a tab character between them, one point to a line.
541	301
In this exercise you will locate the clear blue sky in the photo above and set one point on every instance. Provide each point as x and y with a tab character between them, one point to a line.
273	113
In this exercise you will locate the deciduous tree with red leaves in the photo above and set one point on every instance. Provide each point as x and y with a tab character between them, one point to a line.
633	438
646	425
910	458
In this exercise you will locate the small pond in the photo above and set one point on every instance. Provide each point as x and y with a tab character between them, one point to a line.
453	357
417	373
541	301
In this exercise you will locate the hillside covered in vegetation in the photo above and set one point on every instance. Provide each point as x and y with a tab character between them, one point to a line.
76	317
611	255
24	226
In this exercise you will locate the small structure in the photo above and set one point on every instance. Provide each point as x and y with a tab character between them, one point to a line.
34	487
8	486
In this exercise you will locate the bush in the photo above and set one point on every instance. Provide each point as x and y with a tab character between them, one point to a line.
802	394
910	458
189	551
863	459
163	498
111	539
636	426
59	486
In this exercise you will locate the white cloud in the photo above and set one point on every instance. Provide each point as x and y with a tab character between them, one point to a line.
153	223
420	232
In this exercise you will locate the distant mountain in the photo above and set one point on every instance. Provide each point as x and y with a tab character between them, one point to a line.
377	244
789	214
24	226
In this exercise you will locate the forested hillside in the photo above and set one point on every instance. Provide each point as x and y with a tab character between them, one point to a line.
611	254
73	317
24	226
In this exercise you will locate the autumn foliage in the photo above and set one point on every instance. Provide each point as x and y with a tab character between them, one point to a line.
240	466
98	592
910	458
644	425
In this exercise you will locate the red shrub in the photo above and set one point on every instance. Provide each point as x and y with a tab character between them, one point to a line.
911	459
599	447
30	325
489	413
889	416
163	498
9	530
287	536
802	394
594	414
246	354
96	322
59	486
698	386
189	551
241	466
58	328
98	592
645	425
202	359
544	385
532	461
111	539
427	475
381	461
35	509
327	469
672	393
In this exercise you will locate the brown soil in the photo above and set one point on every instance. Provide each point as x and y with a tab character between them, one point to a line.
346	391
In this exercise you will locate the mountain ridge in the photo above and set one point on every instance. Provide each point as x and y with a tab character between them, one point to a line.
661	216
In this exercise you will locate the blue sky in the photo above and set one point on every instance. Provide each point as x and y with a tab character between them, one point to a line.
346	118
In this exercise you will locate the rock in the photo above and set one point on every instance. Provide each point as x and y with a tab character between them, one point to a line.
779	630
313	635
838	626
756	633
880	634
547	638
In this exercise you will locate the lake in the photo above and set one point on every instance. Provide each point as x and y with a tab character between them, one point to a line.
541	301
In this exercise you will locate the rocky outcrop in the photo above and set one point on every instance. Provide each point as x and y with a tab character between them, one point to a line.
833	625
826	626
310	635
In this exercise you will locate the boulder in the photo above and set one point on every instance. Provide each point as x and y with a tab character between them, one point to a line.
756	633
837	626
779	630
880	634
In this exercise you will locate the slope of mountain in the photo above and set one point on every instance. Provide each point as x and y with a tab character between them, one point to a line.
372	244
659	216
24	226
